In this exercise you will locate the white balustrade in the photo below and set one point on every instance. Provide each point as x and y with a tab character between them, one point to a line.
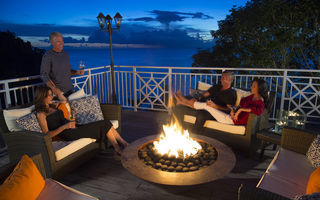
149	88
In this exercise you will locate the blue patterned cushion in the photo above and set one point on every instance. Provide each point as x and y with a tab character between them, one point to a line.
86	110
313	196
29	122
313	153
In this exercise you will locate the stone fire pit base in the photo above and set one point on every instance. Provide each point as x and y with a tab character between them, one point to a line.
222	166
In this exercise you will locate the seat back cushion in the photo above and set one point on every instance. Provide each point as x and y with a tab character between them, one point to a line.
25	182
203	86
77	95
241	94
11	115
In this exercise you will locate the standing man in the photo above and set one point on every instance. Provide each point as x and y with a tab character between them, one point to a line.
56	70
219	96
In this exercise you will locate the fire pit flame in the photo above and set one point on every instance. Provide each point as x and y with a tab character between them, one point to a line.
175	141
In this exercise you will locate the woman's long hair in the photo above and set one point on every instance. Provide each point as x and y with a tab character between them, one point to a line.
41	93
262	89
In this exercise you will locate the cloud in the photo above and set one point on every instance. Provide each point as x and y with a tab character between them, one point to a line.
166	17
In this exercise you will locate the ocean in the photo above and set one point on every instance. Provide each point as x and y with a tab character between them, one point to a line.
173	57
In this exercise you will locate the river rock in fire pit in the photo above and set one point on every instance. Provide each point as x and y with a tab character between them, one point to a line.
203	158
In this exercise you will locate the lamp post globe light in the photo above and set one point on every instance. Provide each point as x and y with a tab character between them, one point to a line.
105	23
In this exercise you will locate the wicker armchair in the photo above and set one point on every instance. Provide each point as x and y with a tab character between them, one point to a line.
292	139
32	143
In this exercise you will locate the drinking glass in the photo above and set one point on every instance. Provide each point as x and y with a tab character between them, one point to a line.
81	65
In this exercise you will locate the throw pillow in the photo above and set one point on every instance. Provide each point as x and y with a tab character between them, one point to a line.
29	122
10	116
313	196
241	94
203	86
313	153
77	95
25	182
65	108
314	182
86	110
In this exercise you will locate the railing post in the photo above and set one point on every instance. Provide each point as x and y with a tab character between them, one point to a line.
170	91
7	99
135	88
89	81
284	83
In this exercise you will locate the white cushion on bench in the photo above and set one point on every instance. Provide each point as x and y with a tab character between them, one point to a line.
281	186
54	190
293	171
64	148
233	129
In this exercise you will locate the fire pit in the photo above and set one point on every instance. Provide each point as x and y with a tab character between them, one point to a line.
161	159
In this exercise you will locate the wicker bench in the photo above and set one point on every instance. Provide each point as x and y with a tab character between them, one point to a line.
32	143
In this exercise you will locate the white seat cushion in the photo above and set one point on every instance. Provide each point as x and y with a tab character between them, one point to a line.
63	148
280	186
291	166
54	190
233	129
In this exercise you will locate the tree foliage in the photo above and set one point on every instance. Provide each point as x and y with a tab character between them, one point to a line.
267	34
18	58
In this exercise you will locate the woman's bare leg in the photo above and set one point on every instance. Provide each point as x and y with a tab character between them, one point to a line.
119	138
114	142
114	137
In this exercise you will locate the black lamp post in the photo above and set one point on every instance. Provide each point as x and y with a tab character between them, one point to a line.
105	24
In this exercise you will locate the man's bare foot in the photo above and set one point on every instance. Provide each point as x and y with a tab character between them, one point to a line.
179	102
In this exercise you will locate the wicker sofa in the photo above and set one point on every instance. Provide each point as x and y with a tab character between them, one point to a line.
32	143
238	137
289	171
52	189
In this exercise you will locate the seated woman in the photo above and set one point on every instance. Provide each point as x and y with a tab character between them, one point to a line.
53	123
254	103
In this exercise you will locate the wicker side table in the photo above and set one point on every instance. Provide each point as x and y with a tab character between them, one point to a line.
267	136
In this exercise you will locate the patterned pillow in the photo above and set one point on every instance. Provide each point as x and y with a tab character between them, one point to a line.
86	110
29	122
313	153
313	196
196	94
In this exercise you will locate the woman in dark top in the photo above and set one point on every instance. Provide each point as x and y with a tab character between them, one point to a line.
53	123
254	103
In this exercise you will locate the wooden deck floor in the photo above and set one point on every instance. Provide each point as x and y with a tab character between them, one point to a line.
105	178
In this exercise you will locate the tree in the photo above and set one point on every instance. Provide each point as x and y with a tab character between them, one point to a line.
267	34
18	58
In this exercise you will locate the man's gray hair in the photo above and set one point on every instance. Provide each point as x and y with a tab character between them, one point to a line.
229	73
53	35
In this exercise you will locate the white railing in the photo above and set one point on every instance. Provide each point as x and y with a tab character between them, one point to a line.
150	88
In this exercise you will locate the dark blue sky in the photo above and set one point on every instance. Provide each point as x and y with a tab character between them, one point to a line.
39	17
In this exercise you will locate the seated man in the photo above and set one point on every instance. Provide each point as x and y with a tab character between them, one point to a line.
221	95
